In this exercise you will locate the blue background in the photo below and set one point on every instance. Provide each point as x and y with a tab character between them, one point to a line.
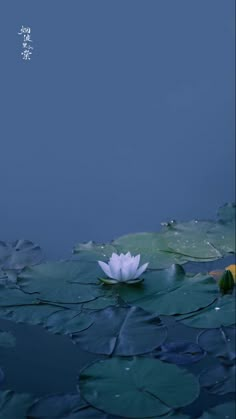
123	118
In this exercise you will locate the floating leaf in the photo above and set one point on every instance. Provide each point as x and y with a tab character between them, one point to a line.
190	239
226	411
13	405
58	282
151	246
59	405
94	251
185	297
34	314
219	380
122	331
220	313
137	387
15	296
101	302
227	213
7	339
8	276
222	237
219	343
68	322
180	353
18	254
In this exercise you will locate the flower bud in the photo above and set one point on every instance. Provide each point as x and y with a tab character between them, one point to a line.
226	282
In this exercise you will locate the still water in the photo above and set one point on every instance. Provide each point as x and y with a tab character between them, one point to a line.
122	119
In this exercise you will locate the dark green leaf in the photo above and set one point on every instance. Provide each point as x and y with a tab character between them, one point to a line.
122	331
137	387
219	380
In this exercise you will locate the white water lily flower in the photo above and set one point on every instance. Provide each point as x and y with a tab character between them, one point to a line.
123	268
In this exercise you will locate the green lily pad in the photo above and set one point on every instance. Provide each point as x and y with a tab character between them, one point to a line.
190	240
92	251
152	247
8	276
59	406
219	343
65	406
7	339
180	353
13	405
117	330
219	380
226	411
18	254
222	237
15	296
137	387
58	282
101	302
227	213
153	282
36	314
68	322
183	297
220	313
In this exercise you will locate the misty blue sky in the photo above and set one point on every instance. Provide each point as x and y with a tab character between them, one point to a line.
123	118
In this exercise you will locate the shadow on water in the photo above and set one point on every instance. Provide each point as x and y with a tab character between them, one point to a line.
41	362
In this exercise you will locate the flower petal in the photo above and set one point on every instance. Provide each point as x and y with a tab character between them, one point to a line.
115	269
141	270
136	261
127	270
105	267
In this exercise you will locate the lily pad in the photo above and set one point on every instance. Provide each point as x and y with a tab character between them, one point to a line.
7	339
58	282
13	405
101	302
152	247
68	322
190	240
226	411
184	297
18	254
220	313
117	330
222	237
64	406
219	343
59	405
153	282
15	296
180	353
93	252
137	387
219	380
227	213
8	276
36	314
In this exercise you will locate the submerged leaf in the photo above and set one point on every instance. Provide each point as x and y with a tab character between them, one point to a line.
220	343
219	380
180	353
